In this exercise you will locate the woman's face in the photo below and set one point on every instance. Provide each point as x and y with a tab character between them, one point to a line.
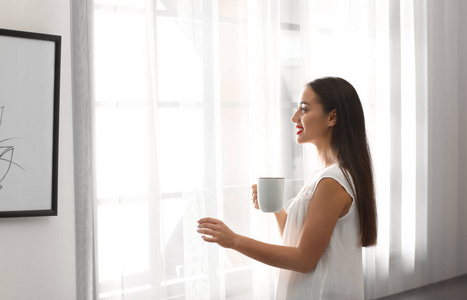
313	125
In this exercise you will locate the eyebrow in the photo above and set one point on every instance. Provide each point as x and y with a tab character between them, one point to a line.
303	103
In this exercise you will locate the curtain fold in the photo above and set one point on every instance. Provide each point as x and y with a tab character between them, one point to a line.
265	141
446	209
82	93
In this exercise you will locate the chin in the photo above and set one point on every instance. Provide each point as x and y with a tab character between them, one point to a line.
300	141
304	140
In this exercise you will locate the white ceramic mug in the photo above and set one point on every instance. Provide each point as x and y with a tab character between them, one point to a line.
271	193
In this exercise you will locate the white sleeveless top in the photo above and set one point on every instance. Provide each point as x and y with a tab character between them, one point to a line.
339	272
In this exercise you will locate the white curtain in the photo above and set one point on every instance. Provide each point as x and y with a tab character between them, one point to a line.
188	113
192	102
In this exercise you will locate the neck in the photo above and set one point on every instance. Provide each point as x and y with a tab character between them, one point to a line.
325	155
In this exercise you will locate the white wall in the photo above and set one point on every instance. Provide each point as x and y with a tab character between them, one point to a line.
37	255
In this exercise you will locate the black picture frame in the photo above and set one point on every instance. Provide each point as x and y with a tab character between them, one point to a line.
29	123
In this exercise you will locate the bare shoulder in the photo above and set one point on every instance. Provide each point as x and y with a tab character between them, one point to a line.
331	193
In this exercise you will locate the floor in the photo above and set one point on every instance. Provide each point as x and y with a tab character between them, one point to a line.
451	289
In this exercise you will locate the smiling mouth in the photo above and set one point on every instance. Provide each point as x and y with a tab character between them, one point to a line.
299	129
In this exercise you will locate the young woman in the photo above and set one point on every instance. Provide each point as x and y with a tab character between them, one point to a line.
334	215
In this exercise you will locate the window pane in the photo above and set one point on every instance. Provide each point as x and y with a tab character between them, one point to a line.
177	7
179	60
235	146
122	152
239	273
233	62
123	240
180	149
128	3
240	285
186	263
172	211
290	56
232	9
237	207
120	56
289	11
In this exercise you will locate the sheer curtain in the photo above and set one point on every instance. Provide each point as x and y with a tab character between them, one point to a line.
192	102
191	105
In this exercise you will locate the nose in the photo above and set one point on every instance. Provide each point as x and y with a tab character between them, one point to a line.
295	118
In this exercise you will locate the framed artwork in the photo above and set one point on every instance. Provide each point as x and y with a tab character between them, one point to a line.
29	115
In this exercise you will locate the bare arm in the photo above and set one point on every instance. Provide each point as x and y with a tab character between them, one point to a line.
327	204
281	218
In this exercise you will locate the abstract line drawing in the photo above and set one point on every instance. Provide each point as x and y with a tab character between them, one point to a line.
6	155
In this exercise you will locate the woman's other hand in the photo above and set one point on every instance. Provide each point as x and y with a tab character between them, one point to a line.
254	195
215	231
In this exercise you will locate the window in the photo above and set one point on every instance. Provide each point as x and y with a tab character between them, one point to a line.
176	126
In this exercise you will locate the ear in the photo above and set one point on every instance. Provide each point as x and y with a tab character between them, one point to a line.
332	118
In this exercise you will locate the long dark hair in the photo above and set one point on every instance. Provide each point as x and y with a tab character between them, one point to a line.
350	145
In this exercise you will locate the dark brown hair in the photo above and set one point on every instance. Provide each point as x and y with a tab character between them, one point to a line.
350	145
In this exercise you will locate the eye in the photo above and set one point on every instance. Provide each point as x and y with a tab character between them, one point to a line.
303	109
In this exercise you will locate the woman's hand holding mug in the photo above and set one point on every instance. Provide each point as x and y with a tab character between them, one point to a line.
254	195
